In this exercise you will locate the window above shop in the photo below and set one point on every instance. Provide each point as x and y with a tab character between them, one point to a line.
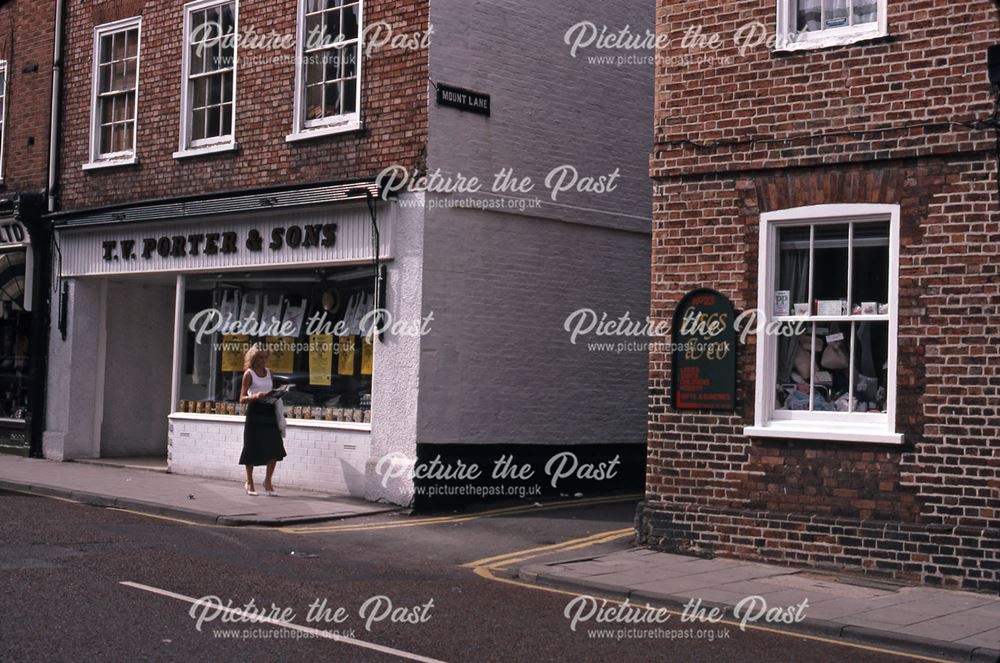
828	278
328	68
811	24
115	93
208	88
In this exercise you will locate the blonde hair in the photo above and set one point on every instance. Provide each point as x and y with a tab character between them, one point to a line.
251	355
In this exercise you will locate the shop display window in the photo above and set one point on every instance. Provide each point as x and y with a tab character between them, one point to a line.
829	287
15	337
315	323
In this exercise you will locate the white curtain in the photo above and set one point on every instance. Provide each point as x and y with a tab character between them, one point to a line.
809	15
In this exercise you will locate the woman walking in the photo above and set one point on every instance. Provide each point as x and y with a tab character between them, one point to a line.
262	444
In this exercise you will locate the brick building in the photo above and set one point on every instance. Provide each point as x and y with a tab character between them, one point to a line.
27	38
826	165
204	174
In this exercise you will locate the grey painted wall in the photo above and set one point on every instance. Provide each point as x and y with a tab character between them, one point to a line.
139	352
548	107
499	366
71	426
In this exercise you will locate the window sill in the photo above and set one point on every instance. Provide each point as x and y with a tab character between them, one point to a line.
205	150
110	163
824	431
320	132
294	423
797	44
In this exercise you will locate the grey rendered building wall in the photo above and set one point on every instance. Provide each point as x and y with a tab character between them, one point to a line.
499	366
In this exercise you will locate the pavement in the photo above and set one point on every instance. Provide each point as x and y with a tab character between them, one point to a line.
928	621
214	501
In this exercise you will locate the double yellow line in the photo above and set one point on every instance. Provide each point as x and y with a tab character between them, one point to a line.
500	562
459	518
486	567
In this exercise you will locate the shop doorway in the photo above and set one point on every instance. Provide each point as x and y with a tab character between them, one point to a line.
138	335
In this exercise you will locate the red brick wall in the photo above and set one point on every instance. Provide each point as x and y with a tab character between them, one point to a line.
837	126
26	40
394	109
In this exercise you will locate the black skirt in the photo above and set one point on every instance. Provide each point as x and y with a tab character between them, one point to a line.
261	438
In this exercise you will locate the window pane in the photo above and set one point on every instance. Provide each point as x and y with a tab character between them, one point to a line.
314	31
314	68
314	102
104	79
105	139
348	63
198	124
129	100
798	364
132	49
215	90
128	134
350	96
118	47
227	119
809	15
107	110
332	62
199	88
835	13
131	67
349	22
871	267
197	59
793	270
833	361
214	122
331	106
871	356
865	11
830	269
227	87
106	48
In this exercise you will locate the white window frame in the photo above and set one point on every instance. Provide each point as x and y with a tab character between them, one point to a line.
302	129
789	39
188	147
832	426
3	118
125	157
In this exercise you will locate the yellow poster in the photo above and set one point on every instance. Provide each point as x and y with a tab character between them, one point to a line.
282	354
367	350
345	355
320	359
234	347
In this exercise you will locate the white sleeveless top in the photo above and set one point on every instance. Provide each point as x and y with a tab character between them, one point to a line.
260	384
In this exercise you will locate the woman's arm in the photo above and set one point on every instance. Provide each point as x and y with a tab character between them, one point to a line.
245	389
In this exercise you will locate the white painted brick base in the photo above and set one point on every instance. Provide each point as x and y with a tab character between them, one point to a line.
323	459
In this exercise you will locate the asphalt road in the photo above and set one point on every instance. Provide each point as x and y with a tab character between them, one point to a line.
62	566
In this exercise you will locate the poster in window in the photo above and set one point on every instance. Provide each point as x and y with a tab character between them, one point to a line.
250	308
234	347
270	315
345	355
704	352
367	354
321	359
282	354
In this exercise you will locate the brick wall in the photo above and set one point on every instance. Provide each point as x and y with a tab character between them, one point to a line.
26	41
885	122
394	108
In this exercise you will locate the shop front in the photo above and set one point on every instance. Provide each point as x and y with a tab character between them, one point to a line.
23	289
157	315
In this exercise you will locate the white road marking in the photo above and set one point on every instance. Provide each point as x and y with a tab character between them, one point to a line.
289	625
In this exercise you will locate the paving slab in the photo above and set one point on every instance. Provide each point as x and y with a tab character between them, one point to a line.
921	620
194	498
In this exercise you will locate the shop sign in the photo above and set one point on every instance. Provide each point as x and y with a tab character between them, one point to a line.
249	241
462	99
704	352
13	234
213	243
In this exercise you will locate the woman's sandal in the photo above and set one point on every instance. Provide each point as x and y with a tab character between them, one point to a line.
246	487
